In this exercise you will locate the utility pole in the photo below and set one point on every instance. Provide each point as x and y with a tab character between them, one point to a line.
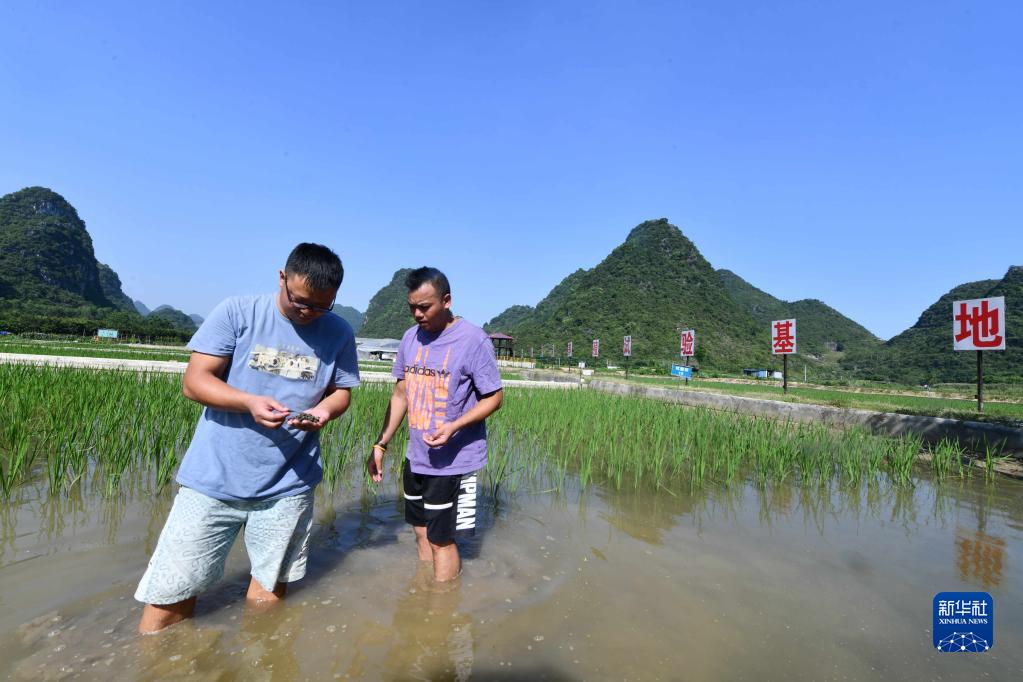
628	358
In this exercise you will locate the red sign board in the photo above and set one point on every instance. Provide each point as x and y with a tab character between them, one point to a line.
979	324
627	346
783	337
568	351
596	348
688	345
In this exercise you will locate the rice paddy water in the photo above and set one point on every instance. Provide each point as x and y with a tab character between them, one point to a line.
619	537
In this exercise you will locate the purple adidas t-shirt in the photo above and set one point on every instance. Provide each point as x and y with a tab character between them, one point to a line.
445	375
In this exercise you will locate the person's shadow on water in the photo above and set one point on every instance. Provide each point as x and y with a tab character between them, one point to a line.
339	529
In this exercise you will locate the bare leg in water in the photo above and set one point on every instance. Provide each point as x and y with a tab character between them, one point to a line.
446	562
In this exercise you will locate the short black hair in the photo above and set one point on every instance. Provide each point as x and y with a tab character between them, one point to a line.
428	275
319	265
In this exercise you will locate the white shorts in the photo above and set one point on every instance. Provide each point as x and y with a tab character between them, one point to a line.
200	530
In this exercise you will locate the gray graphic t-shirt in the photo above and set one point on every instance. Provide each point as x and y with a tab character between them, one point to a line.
445	375
231	457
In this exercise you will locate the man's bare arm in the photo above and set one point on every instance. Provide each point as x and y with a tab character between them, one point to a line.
396	409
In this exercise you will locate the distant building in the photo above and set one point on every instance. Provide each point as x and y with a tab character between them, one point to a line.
376	349
760	373
504	345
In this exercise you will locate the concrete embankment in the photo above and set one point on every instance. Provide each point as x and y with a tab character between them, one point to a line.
173	367
166	366
931	429
378	377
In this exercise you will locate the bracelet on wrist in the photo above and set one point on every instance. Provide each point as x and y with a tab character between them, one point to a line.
380	446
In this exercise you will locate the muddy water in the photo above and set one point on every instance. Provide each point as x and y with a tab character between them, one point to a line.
719	584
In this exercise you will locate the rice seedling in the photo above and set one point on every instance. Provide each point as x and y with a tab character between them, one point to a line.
634	439
76	428
943	456
900	455
989	462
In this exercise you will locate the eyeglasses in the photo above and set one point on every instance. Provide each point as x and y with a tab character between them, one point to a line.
305	306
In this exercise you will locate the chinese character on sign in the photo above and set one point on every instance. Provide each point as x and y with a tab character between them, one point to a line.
979	324
569	349
596	347
627	346
783	337
688	343
945	607
683	372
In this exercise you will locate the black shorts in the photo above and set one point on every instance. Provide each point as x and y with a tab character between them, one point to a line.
446	505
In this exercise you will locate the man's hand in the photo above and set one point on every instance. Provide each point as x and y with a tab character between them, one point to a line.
310	424
267	411
375	464
441	435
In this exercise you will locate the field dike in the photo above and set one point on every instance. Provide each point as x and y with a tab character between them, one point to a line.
974	435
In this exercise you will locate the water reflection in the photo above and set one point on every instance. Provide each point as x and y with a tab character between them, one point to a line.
645	512
648	512
644	515
979	557
664	571
432	639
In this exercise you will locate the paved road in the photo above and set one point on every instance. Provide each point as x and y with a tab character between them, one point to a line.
173	367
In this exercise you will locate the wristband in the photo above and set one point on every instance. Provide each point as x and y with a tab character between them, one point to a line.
383	448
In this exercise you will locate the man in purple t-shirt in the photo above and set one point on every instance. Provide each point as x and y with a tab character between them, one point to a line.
447	383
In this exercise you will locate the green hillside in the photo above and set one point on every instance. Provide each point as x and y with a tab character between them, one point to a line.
649	286
824	334
110	284
512	317
50	280
923	353
350	315
387	315
175	317
45	251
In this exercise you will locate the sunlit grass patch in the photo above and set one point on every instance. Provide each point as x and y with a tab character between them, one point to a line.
93	429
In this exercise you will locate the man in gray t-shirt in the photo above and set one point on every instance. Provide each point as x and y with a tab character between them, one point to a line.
447	382
271	371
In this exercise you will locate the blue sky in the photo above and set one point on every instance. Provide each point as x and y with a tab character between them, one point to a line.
867	154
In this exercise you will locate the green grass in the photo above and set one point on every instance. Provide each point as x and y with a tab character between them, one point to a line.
376	365
74	426
866	395
1006	412
95	428
88	349
625	440
92	430
991	391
